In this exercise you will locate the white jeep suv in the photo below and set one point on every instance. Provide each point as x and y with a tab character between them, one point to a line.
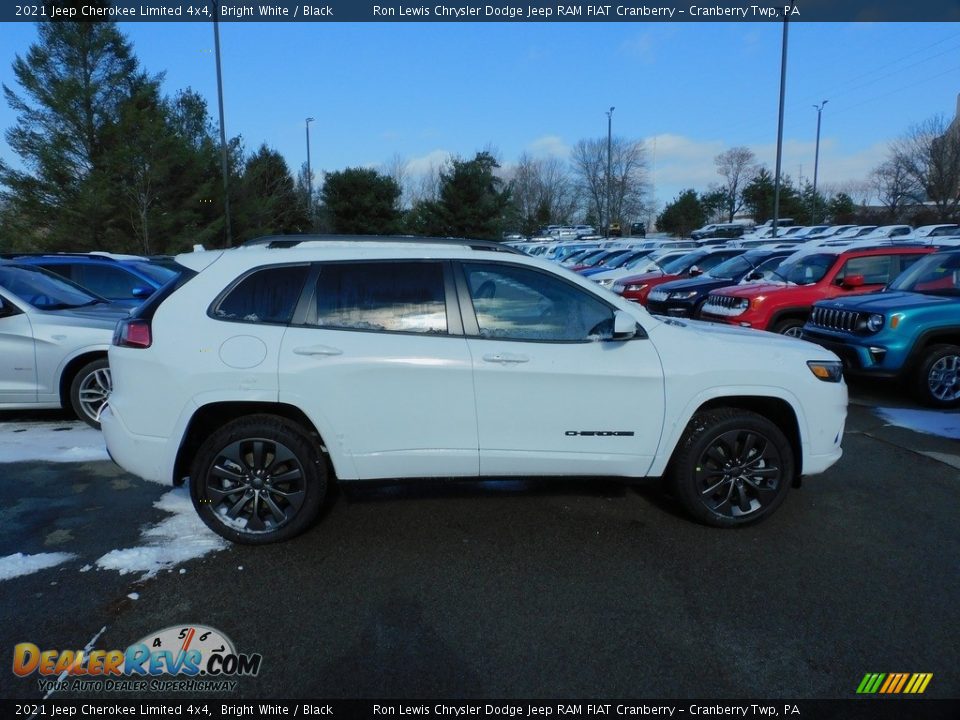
269	369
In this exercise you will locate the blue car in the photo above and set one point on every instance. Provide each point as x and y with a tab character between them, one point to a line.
124	280
910	331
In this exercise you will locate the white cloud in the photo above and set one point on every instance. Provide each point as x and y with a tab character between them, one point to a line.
549	146
425	164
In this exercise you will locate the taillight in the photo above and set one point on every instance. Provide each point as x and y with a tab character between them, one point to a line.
133	334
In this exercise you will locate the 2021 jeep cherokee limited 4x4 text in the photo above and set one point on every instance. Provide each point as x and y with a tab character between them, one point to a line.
270	369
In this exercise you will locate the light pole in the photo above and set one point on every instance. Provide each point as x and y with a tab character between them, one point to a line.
816	162
783	90
606	232
309	177
223	132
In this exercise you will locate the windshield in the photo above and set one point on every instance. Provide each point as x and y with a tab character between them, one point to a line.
934	275
158	273
44	290
733	268
806	270
682	263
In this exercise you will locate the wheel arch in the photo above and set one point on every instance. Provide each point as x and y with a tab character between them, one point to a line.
937	336
211	416
776	409
70	370
790	313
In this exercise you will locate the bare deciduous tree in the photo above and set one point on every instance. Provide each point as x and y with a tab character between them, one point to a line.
738	166
930	154
543	192
895	187
628	183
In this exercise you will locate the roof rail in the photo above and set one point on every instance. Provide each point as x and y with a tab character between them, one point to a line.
288	241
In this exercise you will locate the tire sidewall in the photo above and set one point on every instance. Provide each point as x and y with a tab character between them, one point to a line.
702	431
269	428
931	357
85	372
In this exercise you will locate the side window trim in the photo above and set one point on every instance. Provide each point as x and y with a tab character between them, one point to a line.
305	314
472	327
223	294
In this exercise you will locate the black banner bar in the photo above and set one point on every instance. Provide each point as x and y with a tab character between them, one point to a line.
894	708
484	11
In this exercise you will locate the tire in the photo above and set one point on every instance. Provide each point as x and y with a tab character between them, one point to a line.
698	309
259	479
791	327
89	390
938	377
715	445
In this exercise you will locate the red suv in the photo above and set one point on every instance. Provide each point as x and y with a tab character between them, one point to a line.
782	303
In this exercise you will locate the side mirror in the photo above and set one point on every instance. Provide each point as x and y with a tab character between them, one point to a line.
141	292
755	275
624	325
694	271
853	281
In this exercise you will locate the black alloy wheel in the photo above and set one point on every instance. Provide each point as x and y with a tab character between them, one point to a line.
258	480
732	467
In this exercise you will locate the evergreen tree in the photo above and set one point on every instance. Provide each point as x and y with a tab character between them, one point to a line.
473	201
682	215
361	201
75	80
269	203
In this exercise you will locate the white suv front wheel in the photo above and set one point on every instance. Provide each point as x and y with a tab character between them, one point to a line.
732	467
259	479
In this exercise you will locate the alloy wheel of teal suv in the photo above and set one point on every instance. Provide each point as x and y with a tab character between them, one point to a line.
909	331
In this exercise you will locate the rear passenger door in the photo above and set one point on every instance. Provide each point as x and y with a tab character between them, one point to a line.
377	358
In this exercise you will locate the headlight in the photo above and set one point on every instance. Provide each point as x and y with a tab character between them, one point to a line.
683	295
635	288
606	282
875	322
826	370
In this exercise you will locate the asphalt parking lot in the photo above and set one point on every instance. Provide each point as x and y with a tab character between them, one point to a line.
580	588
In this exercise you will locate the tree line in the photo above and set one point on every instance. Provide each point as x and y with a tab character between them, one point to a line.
917	183
108	162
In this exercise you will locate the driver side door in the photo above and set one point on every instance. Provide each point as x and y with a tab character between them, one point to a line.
555	394
18	366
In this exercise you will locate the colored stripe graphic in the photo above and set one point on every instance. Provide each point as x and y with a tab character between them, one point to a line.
894	683
870	683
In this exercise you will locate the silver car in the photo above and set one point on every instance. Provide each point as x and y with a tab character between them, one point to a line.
54	337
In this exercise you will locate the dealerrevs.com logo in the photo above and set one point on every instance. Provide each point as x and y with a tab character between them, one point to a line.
199	658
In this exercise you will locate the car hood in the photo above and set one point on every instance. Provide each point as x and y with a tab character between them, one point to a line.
747	339
632	279
701	283
888	301
93	316
754	289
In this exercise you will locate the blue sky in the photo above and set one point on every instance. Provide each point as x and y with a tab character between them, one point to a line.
424	90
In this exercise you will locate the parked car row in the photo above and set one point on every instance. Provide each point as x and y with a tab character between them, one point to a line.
810	290
57	317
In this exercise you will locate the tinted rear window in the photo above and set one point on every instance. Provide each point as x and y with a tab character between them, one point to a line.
268	295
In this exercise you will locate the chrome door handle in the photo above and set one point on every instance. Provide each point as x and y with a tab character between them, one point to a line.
505	358
322	350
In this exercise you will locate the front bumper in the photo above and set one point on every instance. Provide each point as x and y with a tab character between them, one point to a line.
864	358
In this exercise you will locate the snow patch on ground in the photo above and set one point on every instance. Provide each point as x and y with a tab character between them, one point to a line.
66	441
178	538
19	564
931	422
